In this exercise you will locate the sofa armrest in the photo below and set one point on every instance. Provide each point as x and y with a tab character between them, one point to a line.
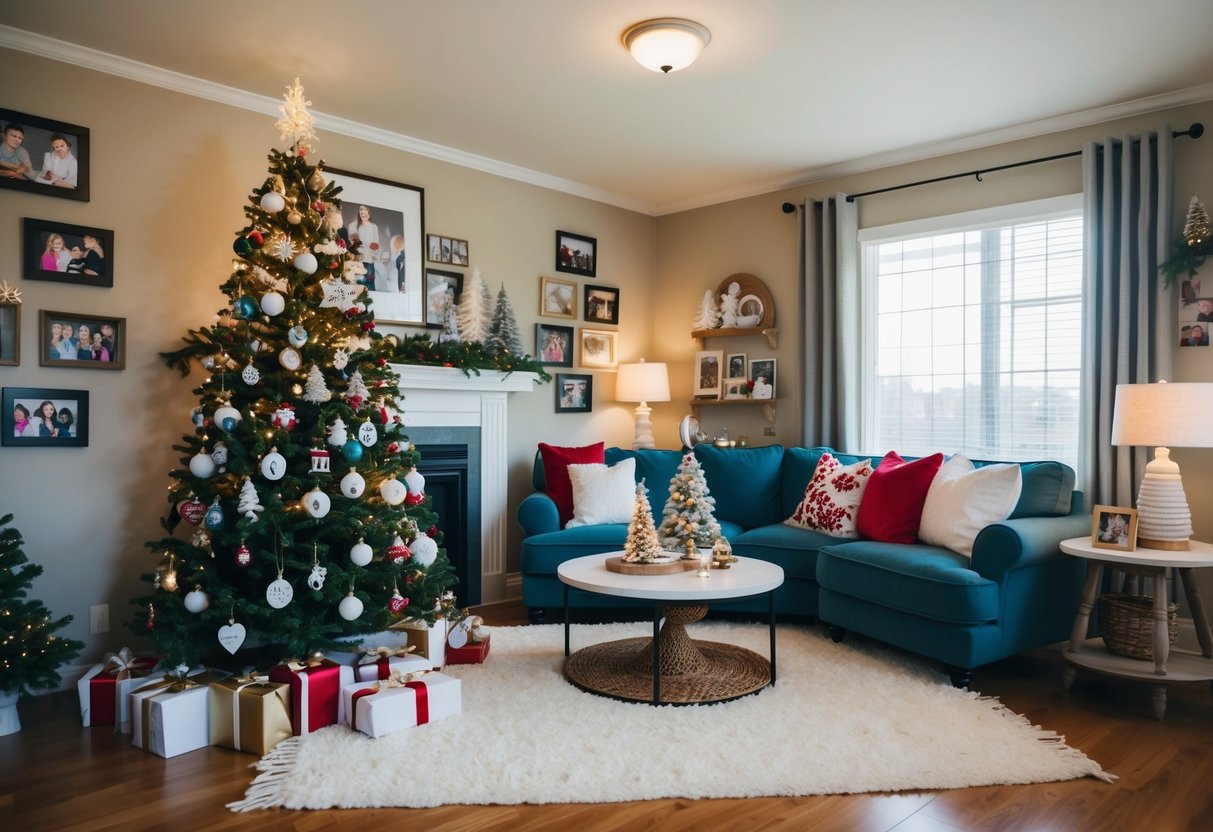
1008	545
537	514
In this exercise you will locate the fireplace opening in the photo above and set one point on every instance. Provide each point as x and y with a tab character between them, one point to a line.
450	463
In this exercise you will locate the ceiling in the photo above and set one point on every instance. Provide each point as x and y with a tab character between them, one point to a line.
787	92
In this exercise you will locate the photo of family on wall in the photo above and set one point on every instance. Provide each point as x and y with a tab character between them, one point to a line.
67	253
43	156
42	417
70	339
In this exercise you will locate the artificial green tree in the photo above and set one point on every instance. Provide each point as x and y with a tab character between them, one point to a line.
688	513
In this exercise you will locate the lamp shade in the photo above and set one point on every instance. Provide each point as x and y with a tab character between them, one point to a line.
642	383
666	44
1170	415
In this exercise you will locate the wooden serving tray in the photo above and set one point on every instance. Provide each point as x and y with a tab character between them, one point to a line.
617	564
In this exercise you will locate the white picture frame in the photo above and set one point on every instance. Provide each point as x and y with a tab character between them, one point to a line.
708	372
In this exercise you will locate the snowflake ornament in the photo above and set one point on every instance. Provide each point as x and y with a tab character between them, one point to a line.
283	248
339	295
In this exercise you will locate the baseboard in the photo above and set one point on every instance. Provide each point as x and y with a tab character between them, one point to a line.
513	586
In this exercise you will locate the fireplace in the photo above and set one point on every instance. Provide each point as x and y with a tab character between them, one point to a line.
450	463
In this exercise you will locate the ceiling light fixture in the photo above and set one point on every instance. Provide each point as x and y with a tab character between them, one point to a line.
666	44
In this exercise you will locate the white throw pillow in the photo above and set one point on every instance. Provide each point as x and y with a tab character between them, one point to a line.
963	500
602	494
832	497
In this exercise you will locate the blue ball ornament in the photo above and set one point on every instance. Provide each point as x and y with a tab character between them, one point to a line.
352	450
229	424
214	517
246	307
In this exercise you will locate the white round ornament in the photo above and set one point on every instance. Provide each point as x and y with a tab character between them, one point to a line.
353	484
250	374
202	466
272	201
279	593
367	434
306	263
340	359
273	303
316	503
227	417
361	553
458	636
273	465
415	481
393	491
197	601
231	636
290	359
316	579
350	607
297	335
219	454
425	550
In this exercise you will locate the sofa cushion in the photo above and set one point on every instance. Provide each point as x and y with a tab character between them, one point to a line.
792	549
655	468
556	474
602	494
929	581
745	483
832	497
1047	489
963	500
892	505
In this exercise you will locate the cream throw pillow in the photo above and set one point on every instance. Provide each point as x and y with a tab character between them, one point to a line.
602	494
963	500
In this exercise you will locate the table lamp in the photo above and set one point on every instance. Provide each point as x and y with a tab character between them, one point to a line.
643	383
1166	416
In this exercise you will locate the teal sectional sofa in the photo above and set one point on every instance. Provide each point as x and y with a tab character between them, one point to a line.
1017	591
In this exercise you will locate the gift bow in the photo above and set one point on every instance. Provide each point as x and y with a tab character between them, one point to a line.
400	679
126	664
314	660
253	679
374	655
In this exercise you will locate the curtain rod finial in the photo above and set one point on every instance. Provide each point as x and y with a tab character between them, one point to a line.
789	208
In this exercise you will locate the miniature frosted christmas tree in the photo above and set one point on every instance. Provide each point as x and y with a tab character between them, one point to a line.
504	335
474	313
642	545
356	393
249	505
1196	226
316	390
708	315
688	511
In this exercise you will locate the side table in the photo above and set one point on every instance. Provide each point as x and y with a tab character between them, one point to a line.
1168	665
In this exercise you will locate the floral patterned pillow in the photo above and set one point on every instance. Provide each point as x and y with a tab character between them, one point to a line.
832	497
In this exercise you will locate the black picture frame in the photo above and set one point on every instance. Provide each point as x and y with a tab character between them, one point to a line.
574	392
576	254
438	284
557	352
37	235
32	399
10	331
38	133
105	353
600	304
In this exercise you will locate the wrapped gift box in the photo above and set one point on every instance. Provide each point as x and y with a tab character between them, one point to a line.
381	663
315	692
474	652
104	688
171	718
379	708
250	713
426	640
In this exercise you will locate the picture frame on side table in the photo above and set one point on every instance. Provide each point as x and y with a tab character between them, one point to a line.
576	254
67	429
708	367
554	345
106	341
441	287
599	349
48	157
762	373
1113	527
557	297
394	214
601	305
64	253
574	392
10	326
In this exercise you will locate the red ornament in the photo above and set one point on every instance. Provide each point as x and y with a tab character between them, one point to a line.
333	266
243	556
284	417
351	313
256	238
408	579
398	552
340	243
192	510
356	401
397	603
367	326
393	448
302	151
382	362
318	207
432	531
415	498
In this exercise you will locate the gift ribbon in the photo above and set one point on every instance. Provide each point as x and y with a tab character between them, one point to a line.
397	680
171	683
242	683
305	709
382	656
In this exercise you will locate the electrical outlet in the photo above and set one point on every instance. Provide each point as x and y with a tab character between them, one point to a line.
98	619
768	430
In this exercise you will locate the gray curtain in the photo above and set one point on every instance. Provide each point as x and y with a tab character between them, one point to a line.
1128	317
830	323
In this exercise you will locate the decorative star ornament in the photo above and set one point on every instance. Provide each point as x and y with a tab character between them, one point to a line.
296	122
9	294
282	248
338	294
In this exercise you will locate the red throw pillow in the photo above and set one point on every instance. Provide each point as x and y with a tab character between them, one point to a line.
892	503
556	480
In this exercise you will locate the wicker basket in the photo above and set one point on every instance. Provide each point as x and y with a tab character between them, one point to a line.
1126	624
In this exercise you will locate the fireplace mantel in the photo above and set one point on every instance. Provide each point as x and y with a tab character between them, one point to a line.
447	397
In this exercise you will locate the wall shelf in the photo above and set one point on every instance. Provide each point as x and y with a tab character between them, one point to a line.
732	332
768	405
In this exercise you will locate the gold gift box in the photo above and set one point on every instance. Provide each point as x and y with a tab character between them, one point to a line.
250	715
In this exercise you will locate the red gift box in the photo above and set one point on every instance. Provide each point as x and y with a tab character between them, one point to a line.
474	652
315	691
100	700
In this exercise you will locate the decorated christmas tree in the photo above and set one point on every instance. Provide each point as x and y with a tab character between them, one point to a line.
642	545
474	313
1196	224
30	652
504	336
278	548
688	511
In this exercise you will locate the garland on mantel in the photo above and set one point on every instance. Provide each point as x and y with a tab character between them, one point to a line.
469	356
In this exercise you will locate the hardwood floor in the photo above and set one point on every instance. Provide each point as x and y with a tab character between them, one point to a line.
56	775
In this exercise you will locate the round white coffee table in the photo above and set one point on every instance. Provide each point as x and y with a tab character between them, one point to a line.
682	670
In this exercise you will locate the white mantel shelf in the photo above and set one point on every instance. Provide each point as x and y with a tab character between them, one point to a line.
449	397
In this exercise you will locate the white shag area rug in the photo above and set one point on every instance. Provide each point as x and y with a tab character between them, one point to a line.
839	720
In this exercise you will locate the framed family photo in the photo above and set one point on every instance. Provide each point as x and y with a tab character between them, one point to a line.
81	341
576	254
557	297
10	329
41	417
66	253
735	366
574	392
601	305
439	249
554	345
707	381
442	291
43	156
385	219
600	349
762	373
1113	527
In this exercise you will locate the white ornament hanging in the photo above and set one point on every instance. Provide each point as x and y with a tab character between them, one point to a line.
316	391
316	503
282	248
250	375
316	579
219	455
290	359
458	635
340	359
227	417
367	434
201	465
393	491
279	593
338	294
425	550
249	504
350	607
360	553
231	636
415	481
337	433
297	335
284	417
272	202
353	484
272	303
306	263
196	601
273	465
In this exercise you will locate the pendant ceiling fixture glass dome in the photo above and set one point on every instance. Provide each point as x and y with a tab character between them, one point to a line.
666	44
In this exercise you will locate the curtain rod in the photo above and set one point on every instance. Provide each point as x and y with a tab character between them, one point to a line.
1195	131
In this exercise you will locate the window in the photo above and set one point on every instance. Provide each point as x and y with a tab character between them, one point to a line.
973	333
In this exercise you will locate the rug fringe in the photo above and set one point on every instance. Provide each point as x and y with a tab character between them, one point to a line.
1056	741
265	792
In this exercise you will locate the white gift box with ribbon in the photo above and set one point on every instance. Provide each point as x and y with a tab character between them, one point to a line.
403	701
